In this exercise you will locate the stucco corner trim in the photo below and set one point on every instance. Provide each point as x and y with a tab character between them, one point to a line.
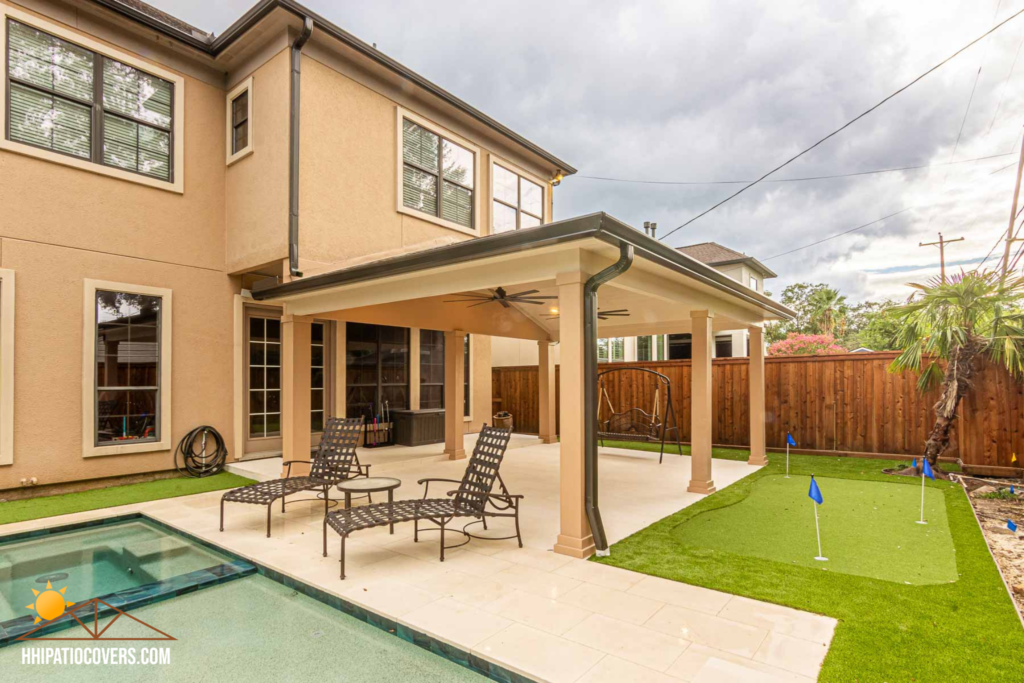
89	447
177	185
246	85
478	160
6	366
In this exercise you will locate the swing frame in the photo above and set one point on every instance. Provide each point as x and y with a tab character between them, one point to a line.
662	381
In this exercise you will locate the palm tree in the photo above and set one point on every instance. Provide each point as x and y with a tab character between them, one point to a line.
956	321
828	312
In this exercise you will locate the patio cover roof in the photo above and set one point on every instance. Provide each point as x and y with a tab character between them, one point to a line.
662	284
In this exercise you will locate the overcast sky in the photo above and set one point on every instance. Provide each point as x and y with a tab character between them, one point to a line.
708	90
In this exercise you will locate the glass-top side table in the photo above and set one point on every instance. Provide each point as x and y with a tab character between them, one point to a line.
371	485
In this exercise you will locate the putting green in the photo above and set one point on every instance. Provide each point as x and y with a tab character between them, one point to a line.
867	529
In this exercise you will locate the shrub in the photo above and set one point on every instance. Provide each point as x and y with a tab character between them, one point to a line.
796	344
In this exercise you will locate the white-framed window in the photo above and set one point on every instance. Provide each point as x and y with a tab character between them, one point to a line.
611	350
437	174
650	347
753	283
126	383
517	198
239	122
6	366
74	101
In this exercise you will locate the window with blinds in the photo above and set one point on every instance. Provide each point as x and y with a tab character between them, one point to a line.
518	202
437	175
73	101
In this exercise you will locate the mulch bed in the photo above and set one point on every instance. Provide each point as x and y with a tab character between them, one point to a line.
1007	546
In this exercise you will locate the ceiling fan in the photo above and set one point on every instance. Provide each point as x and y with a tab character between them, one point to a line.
604	315
530	296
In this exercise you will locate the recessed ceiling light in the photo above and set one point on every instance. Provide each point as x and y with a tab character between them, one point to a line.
554	310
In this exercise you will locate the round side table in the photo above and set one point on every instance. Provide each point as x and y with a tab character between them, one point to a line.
371	485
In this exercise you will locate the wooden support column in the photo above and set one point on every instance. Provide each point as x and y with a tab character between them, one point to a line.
454	398
700	392
546	386
296	337
755	374
575	538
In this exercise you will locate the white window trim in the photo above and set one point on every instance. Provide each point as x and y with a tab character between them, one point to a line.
399	164
242	87
89	447
177	185
6	366
545	187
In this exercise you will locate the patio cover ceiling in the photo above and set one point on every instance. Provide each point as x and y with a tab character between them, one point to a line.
411	290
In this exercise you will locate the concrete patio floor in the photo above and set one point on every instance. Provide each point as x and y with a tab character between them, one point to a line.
547	616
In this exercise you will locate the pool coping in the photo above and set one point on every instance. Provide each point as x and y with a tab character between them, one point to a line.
241	567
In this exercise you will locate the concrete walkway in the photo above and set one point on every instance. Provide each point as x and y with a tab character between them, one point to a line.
547	616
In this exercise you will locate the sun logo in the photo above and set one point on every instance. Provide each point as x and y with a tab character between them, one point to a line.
49	603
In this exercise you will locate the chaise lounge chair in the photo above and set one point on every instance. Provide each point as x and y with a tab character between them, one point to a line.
335	461
470	499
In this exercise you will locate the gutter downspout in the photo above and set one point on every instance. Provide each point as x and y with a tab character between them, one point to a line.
293	147
590	392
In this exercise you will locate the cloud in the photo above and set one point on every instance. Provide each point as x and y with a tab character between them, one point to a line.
729	89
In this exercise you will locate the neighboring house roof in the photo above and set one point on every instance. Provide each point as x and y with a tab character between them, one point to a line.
714	254
213	46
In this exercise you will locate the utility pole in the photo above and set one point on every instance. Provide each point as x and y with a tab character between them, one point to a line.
1013	215
941	244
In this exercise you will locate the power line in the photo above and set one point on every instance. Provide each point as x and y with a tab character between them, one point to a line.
1001	238
793	180
839	234
1002	88
846	125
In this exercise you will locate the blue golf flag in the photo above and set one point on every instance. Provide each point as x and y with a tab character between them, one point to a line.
815	492
928	469
1010	525
790	440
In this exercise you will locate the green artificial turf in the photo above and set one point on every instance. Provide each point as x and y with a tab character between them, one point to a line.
51	506
868	528
890	632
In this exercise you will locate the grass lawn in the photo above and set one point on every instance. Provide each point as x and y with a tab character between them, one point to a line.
888	631
50	506
672	450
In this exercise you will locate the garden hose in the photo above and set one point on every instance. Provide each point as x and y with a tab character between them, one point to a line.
201	453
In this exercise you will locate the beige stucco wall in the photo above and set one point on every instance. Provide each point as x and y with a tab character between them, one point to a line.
256	187
48	357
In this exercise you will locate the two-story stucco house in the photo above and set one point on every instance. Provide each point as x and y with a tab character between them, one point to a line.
259	230
742	268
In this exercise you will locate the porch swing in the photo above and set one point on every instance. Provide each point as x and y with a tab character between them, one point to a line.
636	424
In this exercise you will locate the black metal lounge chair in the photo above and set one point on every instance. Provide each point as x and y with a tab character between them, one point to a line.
470	499
335	461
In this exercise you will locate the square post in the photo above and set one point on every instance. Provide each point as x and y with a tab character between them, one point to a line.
546	386
414	368
296	339
755	375
700	429
575	538
454	400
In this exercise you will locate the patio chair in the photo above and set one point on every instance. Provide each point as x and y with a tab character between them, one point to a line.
473	498
335	461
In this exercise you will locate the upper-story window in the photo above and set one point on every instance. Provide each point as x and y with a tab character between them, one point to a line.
753	283
239	122
73	101
438	175
518	201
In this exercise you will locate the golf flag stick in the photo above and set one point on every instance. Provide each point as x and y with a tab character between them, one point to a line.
815	495
790	441
926	471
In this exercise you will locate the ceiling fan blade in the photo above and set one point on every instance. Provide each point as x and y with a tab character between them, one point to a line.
614	315
475	295
504	302
617	310
529	291
533	296
479	303
528	301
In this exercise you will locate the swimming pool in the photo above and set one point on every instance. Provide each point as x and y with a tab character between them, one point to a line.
239	625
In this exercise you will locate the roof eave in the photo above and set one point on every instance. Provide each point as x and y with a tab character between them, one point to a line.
259	11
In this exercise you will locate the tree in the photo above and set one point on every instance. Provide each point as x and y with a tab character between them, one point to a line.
796	344
798	297
828	312
872	325
956	322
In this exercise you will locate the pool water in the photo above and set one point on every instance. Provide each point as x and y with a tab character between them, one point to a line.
251	629
95	562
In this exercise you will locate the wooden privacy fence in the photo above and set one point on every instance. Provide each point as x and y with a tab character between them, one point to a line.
846	404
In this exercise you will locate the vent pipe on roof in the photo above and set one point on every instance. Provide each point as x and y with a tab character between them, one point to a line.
293	148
